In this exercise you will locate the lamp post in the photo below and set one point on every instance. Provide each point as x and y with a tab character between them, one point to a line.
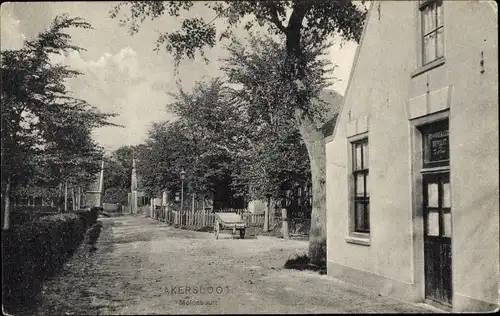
183	174
267	213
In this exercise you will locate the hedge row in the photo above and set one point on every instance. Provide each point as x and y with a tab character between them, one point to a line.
35	250
25	215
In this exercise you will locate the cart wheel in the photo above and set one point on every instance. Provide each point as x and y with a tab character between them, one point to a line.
216	230
242	233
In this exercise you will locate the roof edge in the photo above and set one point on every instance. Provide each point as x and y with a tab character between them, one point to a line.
353	69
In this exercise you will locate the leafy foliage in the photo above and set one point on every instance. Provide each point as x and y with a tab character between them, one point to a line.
278	156
117	175
317	19
244	138
46	132
296	23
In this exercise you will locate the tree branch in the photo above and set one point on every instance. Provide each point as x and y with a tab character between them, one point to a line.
273	10
300	10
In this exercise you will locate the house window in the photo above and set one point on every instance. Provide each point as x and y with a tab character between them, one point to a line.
432	30
361	186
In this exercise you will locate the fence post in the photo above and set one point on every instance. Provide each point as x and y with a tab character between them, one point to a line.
192	209
284	219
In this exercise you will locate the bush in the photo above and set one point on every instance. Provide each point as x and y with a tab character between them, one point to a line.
89	216
33	208
23	214
35	250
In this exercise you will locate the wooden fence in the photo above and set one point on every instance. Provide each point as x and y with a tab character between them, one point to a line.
201	219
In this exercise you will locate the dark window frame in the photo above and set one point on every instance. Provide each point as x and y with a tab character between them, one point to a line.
365	199
423	5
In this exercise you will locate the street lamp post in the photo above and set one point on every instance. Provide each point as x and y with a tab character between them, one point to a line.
183	174
267	213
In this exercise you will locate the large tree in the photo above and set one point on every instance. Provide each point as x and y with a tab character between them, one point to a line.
201	141
46	132
118	171
290	20
277	156
215	123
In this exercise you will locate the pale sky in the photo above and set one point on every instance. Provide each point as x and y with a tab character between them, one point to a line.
122	74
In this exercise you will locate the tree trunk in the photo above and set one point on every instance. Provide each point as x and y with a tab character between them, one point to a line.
73	199
65	197
79	198
6	208
59	198
314	141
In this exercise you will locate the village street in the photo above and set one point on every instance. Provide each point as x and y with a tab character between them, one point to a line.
142	266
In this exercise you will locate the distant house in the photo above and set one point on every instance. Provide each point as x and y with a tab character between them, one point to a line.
412	167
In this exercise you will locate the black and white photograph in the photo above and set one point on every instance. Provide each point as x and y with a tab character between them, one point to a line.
249	157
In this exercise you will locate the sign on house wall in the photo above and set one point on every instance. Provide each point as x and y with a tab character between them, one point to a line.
436	144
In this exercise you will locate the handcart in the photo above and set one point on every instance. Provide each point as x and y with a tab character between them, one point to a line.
232	221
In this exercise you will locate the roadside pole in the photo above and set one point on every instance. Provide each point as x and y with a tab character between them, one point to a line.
266	213
284	219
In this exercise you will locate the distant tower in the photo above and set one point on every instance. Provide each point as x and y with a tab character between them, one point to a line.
93	195
133	190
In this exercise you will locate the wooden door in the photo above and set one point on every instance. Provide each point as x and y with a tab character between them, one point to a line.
437	237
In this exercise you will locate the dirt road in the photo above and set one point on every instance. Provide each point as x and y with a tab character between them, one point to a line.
145	267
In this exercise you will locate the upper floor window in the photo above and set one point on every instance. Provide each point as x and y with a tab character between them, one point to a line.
432	30
361	189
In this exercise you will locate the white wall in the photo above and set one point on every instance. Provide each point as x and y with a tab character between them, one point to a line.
380	92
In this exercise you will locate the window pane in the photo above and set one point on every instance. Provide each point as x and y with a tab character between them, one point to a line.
446	195
358	157
433	223
447	224
360	185
440	13
432	195
429	48
365	156
360	217
367	187
367	216
440	42
428	19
